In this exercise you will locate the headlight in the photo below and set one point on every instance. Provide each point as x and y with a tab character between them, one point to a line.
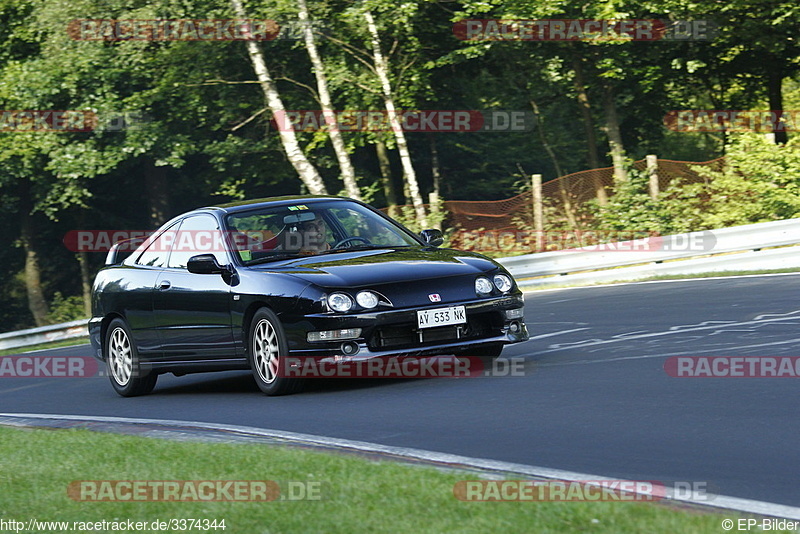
483	286
367	299
502	282
340	302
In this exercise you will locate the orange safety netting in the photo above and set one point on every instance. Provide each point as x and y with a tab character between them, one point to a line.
564	203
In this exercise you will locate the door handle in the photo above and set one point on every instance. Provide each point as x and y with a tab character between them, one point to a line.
164	284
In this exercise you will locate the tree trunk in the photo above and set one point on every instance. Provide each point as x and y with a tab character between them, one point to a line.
37	304
435	197
569	209
305	170
614	136
386	176
588	128
157	190
346	166
382	70
775	95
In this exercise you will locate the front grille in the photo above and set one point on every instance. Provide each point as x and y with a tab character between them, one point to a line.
407	335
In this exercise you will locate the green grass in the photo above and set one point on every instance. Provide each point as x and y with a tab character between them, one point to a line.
358	495
49	345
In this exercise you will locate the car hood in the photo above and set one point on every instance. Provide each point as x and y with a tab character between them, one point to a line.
378	267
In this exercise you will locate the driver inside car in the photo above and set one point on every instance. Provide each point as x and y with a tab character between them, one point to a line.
306	237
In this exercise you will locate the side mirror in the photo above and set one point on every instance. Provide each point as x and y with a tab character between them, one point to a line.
432	237
204	264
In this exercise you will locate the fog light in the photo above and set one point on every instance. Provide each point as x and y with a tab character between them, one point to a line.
333	335
514	327
516	313
349	348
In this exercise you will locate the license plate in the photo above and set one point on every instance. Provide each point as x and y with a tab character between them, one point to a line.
441	317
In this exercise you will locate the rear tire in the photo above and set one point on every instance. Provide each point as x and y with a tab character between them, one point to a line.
122	362
267	352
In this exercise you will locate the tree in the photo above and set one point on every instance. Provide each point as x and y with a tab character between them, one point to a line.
342	156
382	72
305	170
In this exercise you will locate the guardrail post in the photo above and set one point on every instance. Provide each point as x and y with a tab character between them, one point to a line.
538	210
652	171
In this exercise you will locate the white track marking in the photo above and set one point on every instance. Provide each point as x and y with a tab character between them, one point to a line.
533	291
795	341
680	329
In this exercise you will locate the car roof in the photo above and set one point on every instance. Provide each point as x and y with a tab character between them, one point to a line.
247	205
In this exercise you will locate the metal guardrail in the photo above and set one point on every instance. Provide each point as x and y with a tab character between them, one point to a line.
44	334
727	249
736	248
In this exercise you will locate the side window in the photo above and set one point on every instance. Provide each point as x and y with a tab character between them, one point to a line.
156	254
198	235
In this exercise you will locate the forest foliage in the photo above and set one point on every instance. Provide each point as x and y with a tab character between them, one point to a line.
187	123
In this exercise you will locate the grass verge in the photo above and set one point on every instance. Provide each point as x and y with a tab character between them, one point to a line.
357	494
43	346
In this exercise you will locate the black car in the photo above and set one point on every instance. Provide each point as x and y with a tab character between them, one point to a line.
248	285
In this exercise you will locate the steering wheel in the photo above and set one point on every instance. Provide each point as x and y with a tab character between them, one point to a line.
349	239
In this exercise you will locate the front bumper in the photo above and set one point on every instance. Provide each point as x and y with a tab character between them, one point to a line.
391	332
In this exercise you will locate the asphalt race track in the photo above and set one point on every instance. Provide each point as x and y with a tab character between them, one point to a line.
594	398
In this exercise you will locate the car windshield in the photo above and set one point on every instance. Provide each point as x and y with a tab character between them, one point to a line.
279	232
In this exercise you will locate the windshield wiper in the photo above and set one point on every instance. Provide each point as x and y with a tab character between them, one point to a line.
363	246
268	259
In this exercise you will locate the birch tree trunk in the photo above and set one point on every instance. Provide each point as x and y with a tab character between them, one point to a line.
382	70
346	166
305	170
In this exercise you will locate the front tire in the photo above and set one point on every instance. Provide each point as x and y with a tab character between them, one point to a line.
267	351
122	363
